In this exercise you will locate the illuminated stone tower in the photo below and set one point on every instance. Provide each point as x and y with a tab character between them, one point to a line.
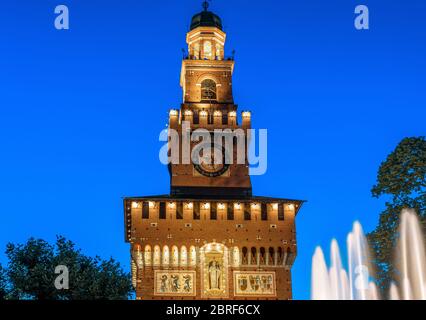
210	238
208	102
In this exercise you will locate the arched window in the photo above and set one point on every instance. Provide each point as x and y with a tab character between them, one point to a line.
236	256
166	256
157	256
253	255
262	256
138	256
280	256
245	258
175	256
192	256
208	90
218	52
197	51
183	257
147	255
271	256
208	49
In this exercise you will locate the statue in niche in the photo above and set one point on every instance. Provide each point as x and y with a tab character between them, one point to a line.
214	275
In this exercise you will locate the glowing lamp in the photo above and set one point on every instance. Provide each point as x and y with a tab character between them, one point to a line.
135	205
174	113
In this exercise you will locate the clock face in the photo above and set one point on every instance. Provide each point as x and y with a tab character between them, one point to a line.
210	168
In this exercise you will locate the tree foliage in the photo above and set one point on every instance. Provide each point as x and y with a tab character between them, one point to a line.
401	178
31	273
3	283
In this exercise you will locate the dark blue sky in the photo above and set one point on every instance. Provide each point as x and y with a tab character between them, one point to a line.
81	110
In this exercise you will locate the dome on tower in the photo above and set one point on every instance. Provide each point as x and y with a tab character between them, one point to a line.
206	19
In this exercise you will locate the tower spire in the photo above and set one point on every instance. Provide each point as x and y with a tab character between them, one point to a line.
205	5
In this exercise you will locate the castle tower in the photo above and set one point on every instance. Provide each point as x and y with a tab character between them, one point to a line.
210	238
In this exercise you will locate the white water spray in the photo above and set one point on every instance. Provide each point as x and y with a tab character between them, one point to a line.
411	260
335	283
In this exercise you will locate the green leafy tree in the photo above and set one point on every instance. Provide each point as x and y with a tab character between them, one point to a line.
3	283
32	275
402	179
31	270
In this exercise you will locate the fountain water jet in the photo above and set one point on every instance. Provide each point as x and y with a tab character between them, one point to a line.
393	294
338	284
320	282
358	283
412	261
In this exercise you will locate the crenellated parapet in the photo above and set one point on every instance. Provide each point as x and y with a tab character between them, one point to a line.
209	118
